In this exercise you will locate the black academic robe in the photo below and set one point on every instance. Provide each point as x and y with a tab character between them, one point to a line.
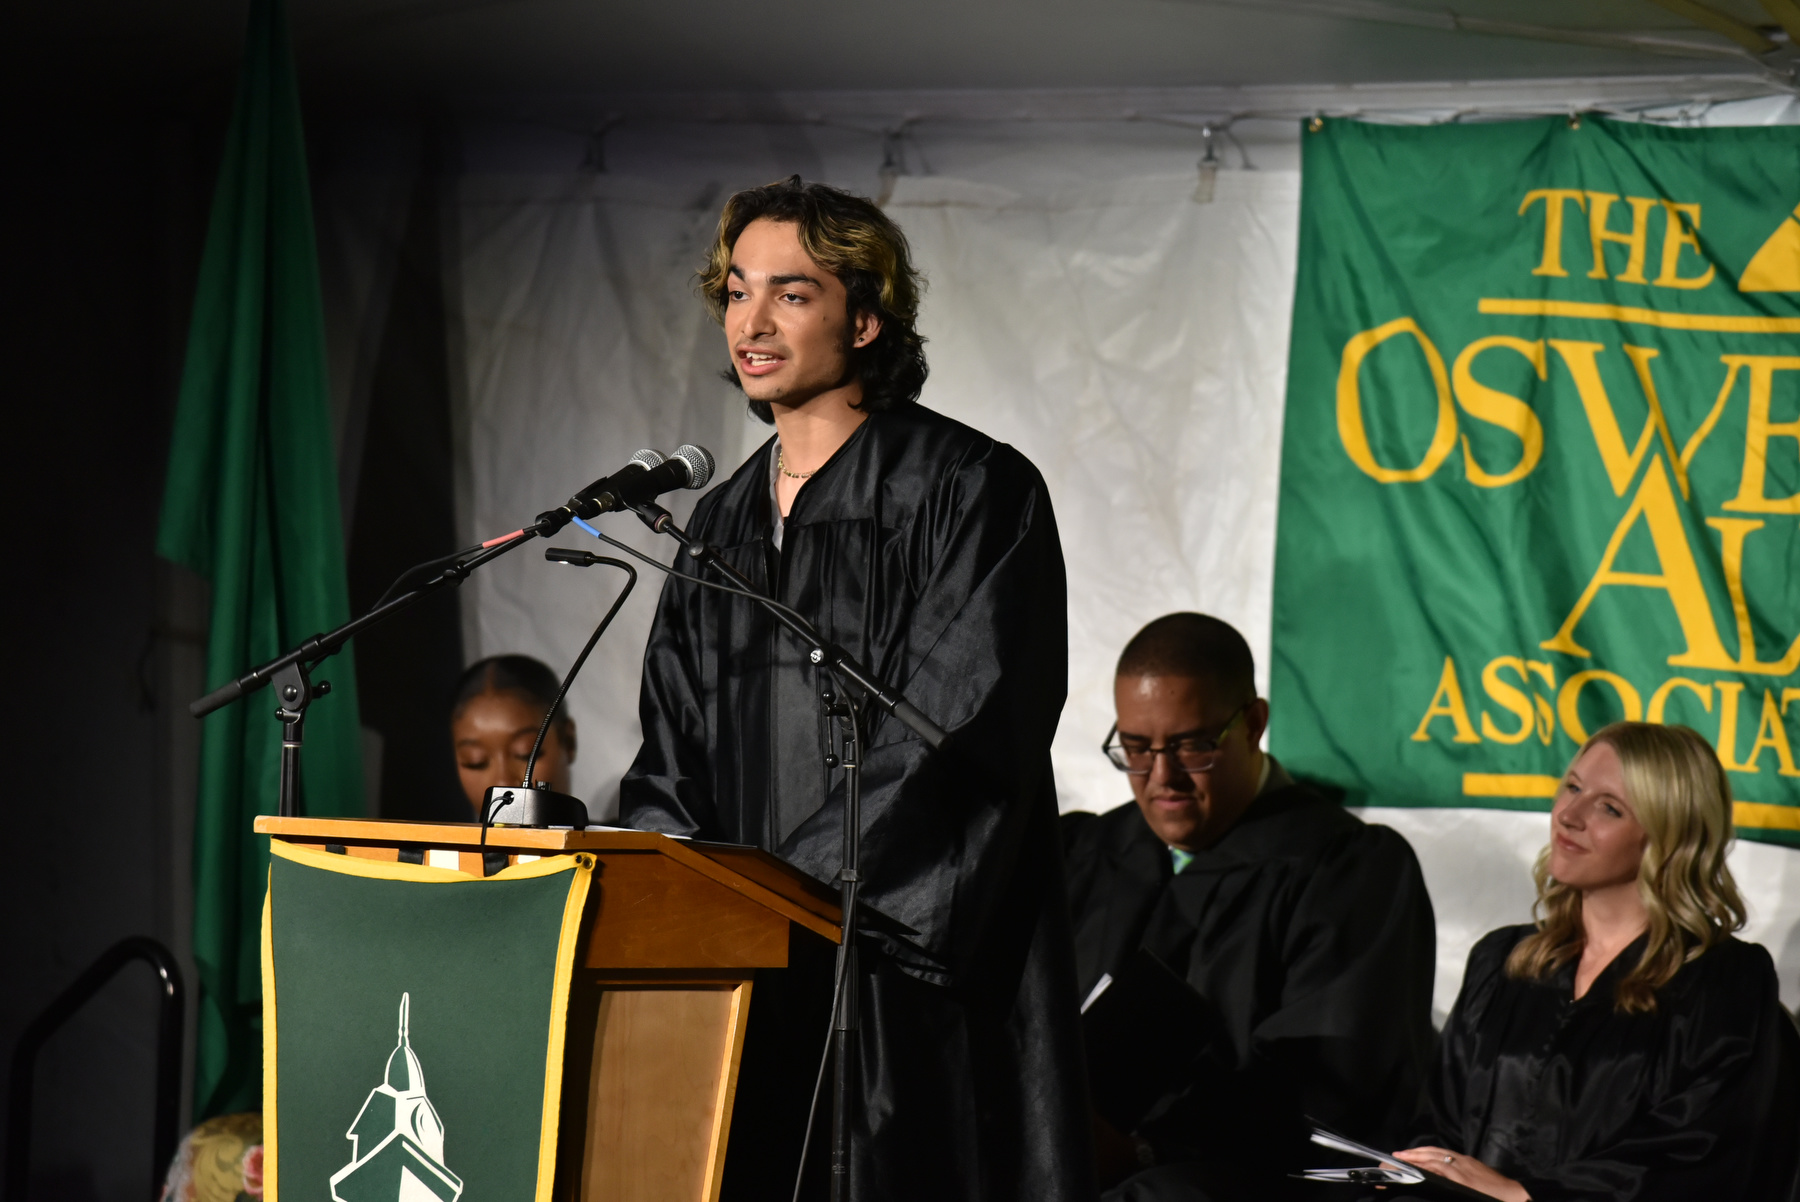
1698	1099
930	552
1311	934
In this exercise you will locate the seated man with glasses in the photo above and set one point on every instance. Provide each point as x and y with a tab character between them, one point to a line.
1304	937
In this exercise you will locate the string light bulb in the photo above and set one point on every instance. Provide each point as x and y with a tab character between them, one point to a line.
893	163
1209	168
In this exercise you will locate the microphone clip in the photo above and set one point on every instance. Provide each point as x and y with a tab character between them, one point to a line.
654	516
551	521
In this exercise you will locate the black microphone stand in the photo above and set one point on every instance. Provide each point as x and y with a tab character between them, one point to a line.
845	998
292	673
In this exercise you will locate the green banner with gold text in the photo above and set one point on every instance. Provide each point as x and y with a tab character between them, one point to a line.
1541	461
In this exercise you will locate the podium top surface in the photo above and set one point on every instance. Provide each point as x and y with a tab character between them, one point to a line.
747	870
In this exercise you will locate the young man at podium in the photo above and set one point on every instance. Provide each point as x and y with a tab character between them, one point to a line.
929	551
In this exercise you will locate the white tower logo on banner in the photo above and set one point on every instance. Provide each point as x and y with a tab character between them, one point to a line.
397	1140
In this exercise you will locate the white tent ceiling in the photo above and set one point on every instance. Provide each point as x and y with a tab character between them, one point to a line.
473	53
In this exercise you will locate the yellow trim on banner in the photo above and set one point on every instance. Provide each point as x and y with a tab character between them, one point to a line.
270	1126
1762	816
393	870
581	864
559	1008
1716	323
1509	784
380	870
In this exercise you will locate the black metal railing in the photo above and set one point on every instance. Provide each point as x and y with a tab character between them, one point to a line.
63	1008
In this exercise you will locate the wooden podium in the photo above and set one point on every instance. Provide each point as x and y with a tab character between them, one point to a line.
675	933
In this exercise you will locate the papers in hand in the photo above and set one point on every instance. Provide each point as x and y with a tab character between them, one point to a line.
1383	1169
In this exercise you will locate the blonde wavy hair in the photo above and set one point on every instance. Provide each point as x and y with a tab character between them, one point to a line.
853	239
1678	791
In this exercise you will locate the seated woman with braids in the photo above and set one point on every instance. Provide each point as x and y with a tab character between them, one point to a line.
500	703
1625	1046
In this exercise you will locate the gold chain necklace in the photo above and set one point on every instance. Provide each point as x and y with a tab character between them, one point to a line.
781	466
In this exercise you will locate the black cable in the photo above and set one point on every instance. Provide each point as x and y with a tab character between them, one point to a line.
812	1111
417	568
544	727
723	588
853	780
849	888
488	808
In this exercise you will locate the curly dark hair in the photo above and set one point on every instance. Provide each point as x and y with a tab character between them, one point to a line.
853	239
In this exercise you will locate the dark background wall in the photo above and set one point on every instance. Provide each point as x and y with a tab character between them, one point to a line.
101	218
101	224
403	513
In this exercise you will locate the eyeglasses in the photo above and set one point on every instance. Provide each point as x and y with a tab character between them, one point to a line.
1192	754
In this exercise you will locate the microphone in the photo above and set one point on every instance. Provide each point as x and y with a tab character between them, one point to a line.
551	521
689	467
647	476
583	505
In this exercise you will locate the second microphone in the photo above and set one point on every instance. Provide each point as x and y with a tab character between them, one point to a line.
645	478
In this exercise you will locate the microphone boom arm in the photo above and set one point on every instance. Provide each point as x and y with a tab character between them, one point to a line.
320	647
290	672
647	474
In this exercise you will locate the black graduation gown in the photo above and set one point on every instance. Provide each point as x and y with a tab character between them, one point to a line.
1698	1099
1312	935
930	552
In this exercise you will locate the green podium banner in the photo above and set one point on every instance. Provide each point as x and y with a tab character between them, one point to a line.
1541	460
413	1024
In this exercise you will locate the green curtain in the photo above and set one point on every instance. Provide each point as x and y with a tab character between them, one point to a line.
252	505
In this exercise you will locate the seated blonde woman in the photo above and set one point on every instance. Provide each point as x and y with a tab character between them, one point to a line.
1625	1046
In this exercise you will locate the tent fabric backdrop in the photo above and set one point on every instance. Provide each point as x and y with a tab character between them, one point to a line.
1082	305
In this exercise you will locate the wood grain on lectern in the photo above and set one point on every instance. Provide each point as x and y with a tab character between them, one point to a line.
664	1069
652	913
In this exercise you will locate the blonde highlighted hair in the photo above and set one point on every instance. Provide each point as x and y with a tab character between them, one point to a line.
1677	790
853	239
